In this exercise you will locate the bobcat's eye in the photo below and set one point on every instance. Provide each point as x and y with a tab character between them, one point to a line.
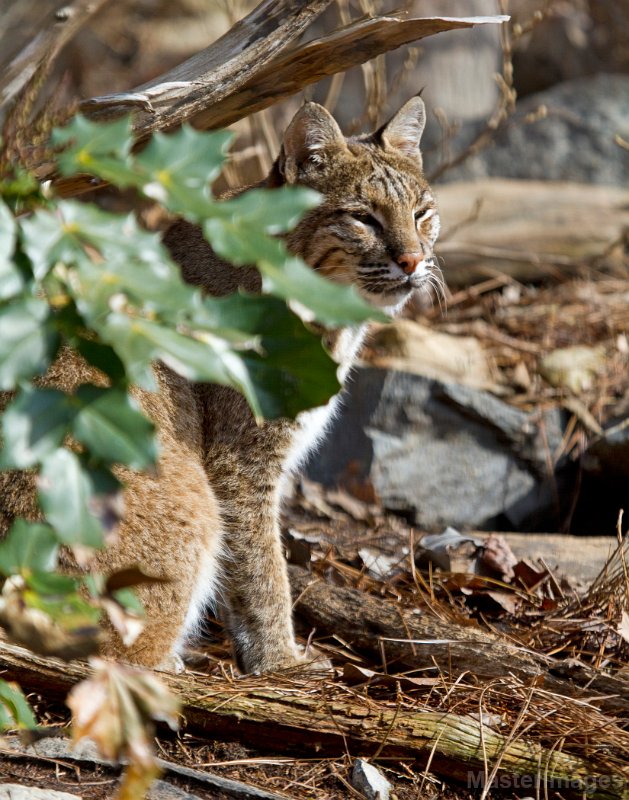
423	214
366	219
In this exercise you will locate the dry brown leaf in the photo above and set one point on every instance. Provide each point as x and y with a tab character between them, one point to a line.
498	556
116	709
573	368
33	628
506	600
450	550
528	577
128	624
354	675
356	508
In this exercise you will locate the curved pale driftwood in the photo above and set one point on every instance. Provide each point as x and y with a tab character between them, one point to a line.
213	73
336	52
254	65
251	67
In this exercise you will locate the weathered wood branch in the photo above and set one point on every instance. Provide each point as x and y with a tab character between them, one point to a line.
248	69
336	52
415	640
254	65
298	714
212	74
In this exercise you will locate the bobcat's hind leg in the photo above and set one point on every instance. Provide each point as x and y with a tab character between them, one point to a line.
171	531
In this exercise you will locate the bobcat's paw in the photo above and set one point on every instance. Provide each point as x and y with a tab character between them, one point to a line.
314	661
172	663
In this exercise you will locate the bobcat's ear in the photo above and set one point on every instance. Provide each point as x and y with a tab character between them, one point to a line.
312	131
404	131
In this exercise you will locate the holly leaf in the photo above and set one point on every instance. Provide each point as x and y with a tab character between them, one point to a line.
111	425
34	426
11	281
154	285
136	351
330	303
28	547
178	168
271	211
209	357
15	711
27	342
100	148
47	239
51	584
102	356
289	370
288	277
65	490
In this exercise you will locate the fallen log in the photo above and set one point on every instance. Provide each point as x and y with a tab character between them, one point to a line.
528	229
297	713
408	639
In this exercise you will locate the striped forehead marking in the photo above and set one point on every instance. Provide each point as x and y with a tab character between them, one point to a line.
387	182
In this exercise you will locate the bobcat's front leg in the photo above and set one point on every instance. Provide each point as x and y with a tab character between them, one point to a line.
244	462
257	591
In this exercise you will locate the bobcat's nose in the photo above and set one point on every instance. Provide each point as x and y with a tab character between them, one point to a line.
410	261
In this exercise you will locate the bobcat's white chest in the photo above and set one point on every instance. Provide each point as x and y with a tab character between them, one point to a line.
313	424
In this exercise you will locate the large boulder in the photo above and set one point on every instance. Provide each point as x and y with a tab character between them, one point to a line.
575	142
442	453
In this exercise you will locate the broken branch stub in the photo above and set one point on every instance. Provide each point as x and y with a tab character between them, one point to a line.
293	713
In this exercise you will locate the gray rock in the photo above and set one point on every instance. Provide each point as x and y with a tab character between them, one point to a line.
370	781
442	454
160	790
575	142
13	791
85	751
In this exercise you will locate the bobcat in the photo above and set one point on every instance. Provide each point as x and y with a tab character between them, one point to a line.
208	519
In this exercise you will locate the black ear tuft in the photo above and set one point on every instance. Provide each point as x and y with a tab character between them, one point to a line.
404	131
312	131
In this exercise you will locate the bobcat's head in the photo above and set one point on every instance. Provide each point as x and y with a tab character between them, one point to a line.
377	223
